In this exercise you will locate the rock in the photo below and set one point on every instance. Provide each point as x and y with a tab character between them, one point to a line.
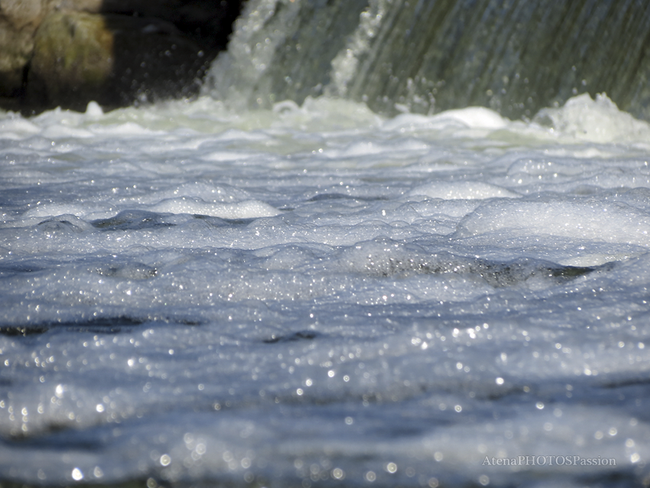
90	6
18	21
112	59
73	60
116	52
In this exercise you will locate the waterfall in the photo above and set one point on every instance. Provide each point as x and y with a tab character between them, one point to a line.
425	56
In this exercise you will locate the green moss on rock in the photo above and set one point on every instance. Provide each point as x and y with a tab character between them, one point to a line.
114	60
73	59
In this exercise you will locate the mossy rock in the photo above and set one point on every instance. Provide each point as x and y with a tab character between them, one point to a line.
73	58
112	59
15	51
18	21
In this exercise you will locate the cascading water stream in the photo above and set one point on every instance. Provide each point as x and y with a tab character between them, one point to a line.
513	56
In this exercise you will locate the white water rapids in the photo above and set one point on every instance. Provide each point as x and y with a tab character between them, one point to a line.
316	296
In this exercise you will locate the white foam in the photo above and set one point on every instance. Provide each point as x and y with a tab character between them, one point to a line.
64	132
15	127
466	118
583	219
474	118
463	190
597	120
250	209
54	209
93	110
228	156
315	291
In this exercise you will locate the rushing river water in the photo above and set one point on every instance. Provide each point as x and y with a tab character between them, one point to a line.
317	295
313	294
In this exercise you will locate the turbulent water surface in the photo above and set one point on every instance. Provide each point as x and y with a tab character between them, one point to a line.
316	295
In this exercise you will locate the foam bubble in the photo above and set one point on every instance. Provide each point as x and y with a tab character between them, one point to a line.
15	127
584	219
54	209
466	118
243	210
459	190
597	120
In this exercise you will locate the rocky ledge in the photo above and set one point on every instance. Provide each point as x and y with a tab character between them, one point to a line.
116	52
